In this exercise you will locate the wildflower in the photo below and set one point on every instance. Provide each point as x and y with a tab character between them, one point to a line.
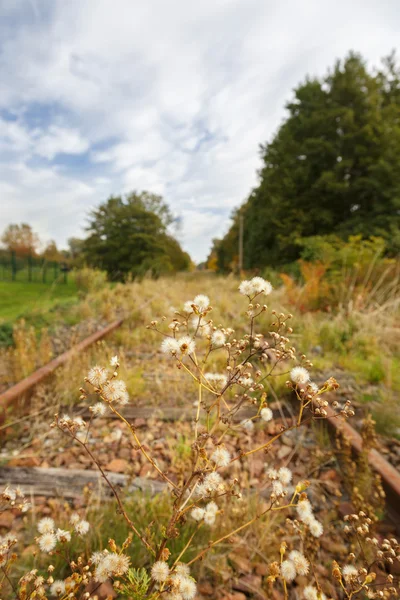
277	487
349	572
114	361
46	525
170	346
79	423
213	481
115	391
182	569
160	571
198	513
245	381
288	570
216	378
300	562
299	375
74	519
187	307
63	536
246	288
261	285
313	387
99	409
221	456
187	588
210	513
316	528
97	376
304	509
266	414
248	425
202	302
96	557
285	475
218	338
186	345
47	542
57	588
310	593
82	527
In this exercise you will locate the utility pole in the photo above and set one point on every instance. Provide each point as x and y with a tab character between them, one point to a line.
240	244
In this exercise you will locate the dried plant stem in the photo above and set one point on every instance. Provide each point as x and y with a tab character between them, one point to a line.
141	448
116	495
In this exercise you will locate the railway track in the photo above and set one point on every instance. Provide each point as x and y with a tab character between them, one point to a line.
57	481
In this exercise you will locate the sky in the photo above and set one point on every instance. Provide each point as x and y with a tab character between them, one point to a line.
101	97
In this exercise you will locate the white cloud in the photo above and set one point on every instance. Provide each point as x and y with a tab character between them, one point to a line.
170	96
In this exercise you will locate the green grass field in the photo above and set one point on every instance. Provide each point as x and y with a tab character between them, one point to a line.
19	299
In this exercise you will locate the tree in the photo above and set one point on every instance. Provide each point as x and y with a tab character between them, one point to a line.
51	252
21	239
129	235
332	167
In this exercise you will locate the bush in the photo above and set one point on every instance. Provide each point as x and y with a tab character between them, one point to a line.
203	494
90	280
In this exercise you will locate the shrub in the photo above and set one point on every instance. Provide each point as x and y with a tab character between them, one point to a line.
90	280
205	484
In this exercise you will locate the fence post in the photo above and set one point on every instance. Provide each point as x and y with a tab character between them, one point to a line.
30	267
44	271
13	265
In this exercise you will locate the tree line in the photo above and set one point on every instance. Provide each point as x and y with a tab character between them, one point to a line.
126	236
332	168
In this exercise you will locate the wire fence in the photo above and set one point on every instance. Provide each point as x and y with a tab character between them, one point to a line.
31	269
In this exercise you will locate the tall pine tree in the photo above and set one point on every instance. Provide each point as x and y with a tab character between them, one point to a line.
333	166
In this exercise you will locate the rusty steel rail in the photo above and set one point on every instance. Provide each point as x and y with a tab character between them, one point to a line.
389	474
23	388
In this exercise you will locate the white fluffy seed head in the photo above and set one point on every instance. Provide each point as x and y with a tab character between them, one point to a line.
300	562
299	375
97	376
46	525
115	391
246	288
82	527
187	307
304	510
114	361
221	456
266	414
261	285
186	345
197	513
57	588
218	338
63	536
248	425
285	475
169	345
202	302
288	570
316	528
47	542
349	572
187	588
99	409
160	571
310	593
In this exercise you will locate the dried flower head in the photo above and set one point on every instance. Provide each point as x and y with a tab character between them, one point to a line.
97	376
160	571
299	375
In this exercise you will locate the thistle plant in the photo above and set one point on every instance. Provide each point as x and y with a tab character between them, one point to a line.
230	374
